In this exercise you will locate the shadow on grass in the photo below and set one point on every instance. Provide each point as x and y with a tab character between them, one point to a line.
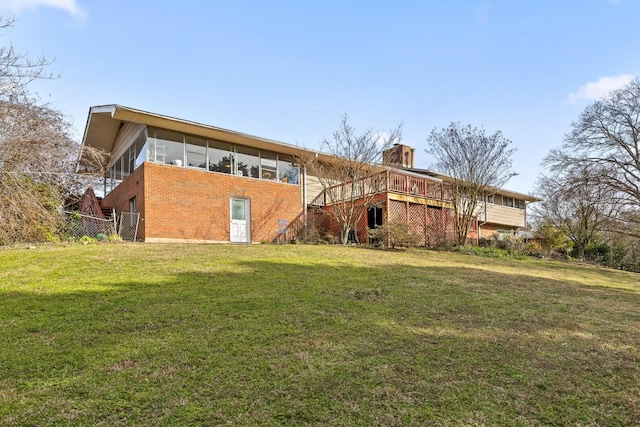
297	343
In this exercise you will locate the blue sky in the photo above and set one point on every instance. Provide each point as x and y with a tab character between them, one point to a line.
288	70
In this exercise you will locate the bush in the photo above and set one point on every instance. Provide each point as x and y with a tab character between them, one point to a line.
312	235
625	255
495	247
491	252
599	253
394	234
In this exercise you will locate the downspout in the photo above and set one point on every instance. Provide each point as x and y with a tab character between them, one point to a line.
484	198
304	200
525	220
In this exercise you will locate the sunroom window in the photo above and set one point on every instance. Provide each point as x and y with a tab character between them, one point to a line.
268	166
248	162
169	147
220	157
287	172
196	150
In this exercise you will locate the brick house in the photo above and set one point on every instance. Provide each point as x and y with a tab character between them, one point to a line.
192	182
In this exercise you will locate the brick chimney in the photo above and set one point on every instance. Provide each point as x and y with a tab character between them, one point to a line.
399	156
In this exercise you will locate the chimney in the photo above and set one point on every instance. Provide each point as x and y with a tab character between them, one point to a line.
400	156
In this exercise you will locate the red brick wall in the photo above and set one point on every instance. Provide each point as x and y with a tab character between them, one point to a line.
132	186
190	204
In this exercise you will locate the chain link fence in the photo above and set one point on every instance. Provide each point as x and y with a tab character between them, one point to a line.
78	225
128	226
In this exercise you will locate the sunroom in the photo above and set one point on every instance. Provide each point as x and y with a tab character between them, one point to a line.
132	137
182	150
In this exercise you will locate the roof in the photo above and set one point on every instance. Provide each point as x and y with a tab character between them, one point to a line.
104	122
501	191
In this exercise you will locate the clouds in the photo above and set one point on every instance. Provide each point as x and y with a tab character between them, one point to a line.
16	6
595	90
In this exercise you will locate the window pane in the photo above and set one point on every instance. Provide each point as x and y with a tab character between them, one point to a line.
113	175
268	166
119	167
507	201
141	149
248	162
196	152
237	210
170	146
220	158
131	158
287	172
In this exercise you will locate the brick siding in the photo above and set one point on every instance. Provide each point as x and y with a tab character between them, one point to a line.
181	204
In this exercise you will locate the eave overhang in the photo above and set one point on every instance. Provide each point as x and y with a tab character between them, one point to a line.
501	191
104	122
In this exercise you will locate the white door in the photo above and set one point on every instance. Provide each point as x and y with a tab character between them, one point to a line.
240	227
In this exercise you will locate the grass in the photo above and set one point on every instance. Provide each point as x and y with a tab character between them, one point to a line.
121	334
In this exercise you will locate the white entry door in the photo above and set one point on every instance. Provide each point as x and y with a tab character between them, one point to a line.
240	224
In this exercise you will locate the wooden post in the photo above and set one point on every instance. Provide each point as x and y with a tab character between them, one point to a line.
426	225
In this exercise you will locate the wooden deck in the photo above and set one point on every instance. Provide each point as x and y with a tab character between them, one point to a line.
389	182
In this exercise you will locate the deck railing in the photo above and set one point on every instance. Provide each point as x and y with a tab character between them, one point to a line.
421	187
387	182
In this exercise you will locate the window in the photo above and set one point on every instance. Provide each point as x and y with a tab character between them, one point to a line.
490	199
141	149
220	157
248	162
287	172
113	182
132	209
238	211
119	165
172	145
196	150
168	147
507	201
131	159
519	204
374	217
268	166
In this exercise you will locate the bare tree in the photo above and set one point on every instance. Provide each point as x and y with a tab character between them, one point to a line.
606	141
576	205
477	164
17	69
351	175
37	153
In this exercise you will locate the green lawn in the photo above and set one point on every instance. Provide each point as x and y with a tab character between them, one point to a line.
123	334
